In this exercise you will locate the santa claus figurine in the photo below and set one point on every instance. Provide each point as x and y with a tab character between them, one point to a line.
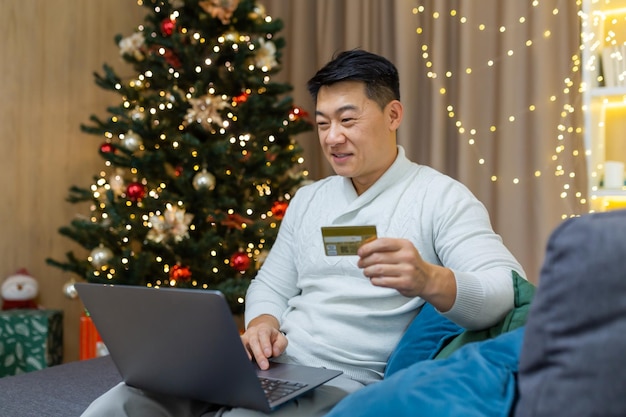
19	291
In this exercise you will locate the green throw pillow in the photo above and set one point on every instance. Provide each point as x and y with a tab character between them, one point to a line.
523	293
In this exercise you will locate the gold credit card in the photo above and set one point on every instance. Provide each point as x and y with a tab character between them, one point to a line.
346	240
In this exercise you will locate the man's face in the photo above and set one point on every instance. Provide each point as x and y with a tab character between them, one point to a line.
356	135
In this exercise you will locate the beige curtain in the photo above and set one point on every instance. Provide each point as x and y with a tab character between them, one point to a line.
491	90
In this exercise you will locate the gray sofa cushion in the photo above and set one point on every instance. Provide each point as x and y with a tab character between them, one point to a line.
573	355
59	391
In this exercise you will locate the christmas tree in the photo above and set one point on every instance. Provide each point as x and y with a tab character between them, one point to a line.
199	156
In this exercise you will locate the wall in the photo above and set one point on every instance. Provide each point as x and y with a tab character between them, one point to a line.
48	53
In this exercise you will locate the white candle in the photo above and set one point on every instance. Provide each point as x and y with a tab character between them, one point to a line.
613	174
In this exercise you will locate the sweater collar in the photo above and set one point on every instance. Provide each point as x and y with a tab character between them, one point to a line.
393	174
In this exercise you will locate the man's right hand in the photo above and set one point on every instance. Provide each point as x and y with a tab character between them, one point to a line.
264	340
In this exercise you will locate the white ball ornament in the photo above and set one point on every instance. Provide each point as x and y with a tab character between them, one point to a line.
204	180
100	256
69	290
132	141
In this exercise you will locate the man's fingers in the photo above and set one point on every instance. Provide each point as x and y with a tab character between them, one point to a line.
264	343
381	244
280	344
259	355
246	346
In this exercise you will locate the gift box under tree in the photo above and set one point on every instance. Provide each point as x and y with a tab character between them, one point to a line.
91	345
30	340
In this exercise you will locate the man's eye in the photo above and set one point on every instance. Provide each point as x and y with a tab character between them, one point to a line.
347	120
322	125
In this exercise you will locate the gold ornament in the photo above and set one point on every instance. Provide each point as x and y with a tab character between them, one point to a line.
265	58
220	9
174	223
133	45
204	180
206	110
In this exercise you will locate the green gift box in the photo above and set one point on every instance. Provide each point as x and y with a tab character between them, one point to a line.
30	340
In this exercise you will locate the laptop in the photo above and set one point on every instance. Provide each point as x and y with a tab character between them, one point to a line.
185	342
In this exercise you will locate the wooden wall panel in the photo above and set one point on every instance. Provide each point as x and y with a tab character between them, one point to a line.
48	53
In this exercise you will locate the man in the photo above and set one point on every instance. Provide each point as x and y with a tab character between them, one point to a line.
435	244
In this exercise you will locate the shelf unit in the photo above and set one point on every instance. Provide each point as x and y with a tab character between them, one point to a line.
604	96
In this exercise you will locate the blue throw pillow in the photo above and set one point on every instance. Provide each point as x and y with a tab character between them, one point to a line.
477	380
424	337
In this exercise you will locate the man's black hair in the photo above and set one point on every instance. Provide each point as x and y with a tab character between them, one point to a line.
380	76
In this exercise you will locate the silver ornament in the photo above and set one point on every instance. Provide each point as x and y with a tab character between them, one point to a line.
100	256
132	141
204	180
69	290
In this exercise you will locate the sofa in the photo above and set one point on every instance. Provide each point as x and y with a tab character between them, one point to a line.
559	352
568	359
59	391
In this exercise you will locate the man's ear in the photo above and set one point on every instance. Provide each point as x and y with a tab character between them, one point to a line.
395	110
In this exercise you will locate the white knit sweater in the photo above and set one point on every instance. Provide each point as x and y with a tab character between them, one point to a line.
332	315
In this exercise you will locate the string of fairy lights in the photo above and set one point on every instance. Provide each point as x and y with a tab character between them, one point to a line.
565	131
603	37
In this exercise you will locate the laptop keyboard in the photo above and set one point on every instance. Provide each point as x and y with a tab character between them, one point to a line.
275	389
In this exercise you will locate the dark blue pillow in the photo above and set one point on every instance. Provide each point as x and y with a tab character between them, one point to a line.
477	380
424	337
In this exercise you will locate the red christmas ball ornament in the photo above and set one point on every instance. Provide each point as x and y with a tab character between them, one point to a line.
297	113
167	26
279	208
135	191
171	58
107	148
168	55
240	261
180	273
241	98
